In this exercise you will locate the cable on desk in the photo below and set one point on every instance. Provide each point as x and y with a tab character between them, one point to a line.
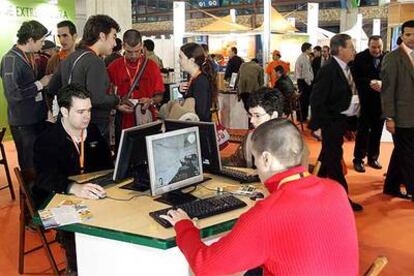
124	199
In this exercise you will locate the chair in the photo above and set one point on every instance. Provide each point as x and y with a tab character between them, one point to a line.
377	266
3	161
294	105
27	211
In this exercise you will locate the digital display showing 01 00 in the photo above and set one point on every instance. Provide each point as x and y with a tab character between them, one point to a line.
208	3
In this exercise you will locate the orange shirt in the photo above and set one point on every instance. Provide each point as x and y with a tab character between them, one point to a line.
270	70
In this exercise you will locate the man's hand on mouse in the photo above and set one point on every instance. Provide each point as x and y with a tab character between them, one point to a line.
175	216
88	190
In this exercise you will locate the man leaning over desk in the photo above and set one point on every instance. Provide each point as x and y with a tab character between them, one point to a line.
70	147
304	227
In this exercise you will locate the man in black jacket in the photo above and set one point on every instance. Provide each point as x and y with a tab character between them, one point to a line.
234	63
366	72
26	105
285	85
333	99
317	61
86	67
70	147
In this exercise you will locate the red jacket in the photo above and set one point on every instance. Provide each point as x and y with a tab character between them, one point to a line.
305	227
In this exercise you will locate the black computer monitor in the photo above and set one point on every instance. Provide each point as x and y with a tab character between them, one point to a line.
208	137
174	163
131	160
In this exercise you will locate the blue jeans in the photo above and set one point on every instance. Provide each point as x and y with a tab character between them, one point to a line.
24	138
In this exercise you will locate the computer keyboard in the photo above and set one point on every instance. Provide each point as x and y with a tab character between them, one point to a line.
103	180
202	208
239	175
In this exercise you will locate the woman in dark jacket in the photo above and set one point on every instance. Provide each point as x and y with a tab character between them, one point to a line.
202	83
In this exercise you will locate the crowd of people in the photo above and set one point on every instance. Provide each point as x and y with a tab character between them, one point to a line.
306	218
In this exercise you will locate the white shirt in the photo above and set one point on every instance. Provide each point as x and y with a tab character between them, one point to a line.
303	69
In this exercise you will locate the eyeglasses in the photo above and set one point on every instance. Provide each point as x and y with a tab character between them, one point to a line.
256	115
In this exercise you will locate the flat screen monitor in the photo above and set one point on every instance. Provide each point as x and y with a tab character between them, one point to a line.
232	83
210	151
174	162
131	160
175	92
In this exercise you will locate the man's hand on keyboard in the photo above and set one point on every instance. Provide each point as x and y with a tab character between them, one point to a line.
175	216
88	190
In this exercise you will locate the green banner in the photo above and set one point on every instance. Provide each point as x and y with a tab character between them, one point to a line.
14	13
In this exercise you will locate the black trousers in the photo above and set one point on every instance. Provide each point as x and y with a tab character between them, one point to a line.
24	138
368	138
401	167
332	153
67	241
305	91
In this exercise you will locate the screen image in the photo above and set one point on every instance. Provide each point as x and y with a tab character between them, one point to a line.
176	158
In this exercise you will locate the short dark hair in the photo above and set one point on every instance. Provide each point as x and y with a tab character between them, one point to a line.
95	25
149	44
326	47
374	37
30	29
118	46
70	91
407	24
305	46
234	50
255	60
205	47
132	37
69	24
268	99
338	40
280	69
282	139
318	48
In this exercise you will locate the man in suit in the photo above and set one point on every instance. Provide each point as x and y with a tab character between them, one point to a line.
234	63
334	98
397	104
326	55
316	62
366	72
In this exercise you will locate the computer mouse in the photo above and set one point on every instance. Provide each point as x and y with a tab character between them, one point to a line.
257	196
102	196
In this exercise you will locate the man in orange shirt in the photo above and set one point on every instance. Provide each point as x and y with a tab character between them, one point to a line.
270	70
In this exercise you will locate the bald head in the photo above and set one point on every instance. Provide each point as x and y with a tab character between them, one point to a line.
277	145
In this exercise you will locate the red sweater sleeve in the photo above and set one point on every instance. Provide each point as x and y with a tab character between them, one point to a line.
241	249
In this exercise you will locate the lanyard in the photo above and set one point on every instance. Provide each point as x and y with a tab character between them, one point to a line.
131	79
30	61
81	151
293	178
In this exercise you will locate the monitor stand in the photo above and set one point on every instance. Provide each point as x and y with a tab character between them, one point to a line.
138	184
177	197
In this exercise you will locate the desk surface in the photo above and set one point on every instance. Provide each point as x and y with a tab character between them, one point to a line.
129	220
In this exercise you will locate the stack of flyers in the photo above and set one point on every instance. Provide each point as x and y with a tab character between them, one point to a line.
67	212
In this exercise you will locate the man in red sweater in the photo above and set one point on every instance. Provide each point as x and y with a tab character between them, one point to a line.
122	72
304	227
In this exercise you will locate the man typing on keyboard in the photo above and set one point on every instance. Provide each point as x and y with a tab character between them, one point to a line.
263	105
304	227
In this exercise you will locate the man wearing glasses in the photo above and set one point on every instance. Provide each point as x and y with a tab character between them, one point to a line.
263	105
